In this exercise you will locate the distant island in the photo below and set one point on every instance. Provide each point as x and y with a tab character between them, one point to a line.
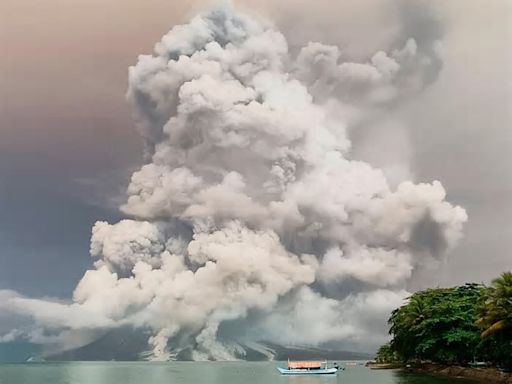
128	344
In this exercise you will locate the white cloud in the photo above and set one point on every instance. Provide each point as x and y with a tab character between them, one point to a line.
248	149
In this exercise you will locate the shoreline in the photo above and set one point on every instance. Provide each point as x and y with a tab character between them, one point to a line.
486	375
372	365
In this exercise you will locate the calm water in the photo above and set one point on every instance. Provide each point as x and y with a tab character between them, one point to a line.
192	373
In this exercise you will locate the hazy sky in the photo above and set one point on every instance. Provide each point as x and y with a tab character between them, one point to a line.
68	142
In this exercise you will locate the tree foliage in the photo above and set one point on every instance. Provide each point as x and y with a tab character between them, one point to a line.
455	325
496	308
385	354
495	320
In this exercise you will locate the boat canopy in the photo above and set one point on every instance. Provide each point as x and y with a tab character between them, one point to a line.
304	364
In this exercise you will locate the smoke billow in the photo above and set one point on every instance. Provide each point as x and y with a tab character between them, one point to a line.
250	211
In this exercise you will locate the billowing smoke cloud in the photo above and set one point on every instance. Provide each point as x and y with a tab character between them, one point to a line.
250	210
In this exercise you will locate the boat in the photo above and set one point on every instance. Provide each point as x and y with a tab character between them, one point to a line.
309	368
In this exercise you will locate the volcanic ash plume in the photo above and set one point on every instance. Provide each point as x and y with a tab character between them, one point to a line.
249	221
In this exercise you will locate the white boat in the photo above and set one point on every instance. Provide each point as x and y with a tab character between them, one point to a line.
308	368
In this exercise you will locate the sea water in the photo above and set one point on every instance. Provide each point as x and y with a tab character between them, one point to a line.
195	373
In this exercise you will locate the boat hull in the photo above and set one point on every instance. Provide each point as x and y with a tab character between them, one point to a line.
322	371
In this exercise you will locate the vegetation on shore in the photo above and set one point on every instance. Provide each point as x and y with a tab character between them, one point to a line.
454	326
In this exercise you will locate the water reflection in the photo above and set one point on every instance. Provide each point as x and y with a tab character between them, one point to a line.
312	379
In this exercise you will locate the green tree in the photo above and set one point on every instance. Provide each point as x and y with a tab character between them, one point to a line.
496	320
455	325
405	324
438	325
385	354
496	309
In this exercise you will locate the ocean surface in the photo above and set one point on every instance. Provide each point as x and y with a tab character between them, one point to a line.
194	373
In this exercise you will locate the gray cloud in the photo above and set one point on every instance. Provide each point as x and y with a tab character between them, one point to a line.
251	201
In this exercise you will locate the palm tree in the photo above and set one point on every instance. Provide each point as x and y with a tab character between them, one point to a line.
496	311
405	323
417	311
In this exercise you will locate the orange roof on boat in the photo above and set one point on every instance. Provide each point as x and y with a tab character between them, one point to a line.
304	364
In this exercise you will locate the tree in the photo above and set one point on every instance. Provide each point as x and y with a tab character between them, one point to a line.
455	325
437	325
496	309
386	354
405	323
496	320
